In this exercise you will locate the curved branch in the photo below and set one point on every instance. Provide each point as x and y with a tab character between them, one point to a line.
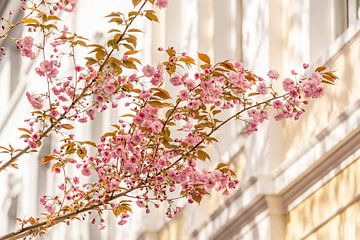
33	229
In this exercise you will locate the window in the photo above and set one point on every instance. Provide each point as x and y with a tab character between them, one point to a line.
353	11
329	19
346	12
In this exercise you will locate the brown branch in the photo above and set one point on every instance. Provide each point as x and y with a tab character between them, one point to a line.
34	229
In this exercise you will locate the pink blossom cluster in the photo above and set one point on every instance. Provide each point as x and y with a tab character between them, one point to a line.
26	47
48	68
66	5
161	3
156	74
35	101
311	86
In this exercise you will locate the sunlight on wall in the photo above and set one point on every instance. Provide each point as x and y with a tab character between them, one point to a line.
321	216
336	100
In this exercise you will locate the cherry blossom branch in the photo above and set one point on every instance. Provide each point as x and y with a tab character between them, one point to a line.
54	123
36	228
12	26
219	126
145	155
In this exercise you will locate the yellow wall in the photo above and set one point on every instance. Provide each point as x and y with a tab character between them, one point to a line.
330	212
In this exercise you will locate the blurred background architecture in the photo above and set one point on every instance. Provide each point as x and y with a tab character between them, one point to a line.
298	180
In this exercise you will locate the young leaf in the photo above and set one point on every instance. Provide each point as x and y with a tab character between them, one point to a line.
202	155
67	126
136	2
205	58
151	16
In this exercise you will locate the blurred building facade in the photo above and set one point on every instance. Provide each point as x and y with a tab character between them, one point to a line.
298	180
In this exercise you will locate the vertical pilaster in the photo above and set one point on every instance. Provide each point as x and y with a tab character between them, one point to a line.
277	217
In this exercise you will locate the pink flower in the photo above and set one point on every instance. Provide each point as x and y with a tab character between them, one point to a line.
210	183
176	80
188	127
48	68
49	208
178	116
184	94
161	3
78	68
109	88
145	95
26	46
35	137
122	222
91	114
76	180
82	120
54	113
311	86
262	88
42	201
28	42
140	204
238	64
185	185
148	71
194	105
86	171
273	74
277	104
99	98
35	102
288	84
67	5
114	184
101	226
